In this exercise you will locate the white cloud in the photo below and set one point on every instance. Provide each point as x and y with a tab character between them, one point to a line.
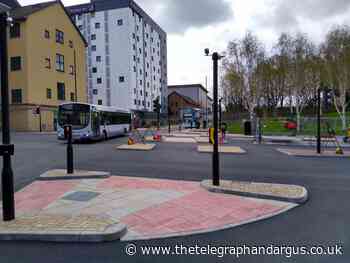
193	25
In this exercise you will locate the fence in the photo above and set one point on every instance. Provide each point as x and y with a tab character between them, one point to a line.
276	126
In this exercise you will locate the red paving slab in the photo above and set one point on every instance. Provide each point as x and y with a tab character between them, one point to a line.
198	211
193	210
143	183
40	194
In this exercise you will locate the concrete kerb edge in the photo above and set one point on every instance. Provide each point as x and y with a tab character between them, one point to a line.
300	200
97	175
115	232
214	229
284	151
244	151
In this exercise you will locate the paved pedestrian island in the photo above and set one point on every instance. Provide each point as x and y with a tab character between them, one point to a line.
172	139
311	152
137	147
128	208
61	174
222	149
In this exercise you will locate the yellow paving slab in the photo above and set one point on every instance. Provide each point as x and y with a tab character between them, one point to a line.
222	149
202	139
137	147
179	139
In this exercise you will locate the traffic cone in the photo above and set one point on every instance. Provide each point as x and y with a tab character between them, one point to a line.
339	151
131	141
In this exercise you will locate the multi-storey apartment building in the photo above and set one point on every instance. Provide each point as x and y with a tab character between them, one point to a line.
46	64
126	56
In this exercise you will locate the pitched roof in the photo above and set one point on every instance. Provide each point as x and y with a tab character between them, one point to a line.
188	99
10	3
22	13
25	11
188	86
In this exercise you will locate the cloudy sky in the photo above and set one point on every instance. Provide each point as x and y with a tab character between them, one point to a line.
193	25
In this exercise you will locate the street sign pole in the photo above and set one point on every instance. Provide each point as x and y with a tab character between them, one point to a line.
216	171
7	149
319	121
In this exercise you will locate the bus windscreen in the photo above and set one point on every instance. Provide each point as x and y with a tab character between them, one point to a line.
77	115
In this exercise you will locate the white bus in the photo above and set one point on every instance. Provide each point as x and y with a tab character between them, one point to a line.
92	122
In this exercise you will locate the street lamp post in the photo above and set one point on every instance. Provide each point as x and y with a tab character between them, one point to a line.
216	168
220	113
7	149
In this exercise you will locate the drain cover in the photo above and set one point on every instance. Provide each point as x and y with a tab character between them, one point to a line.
81	196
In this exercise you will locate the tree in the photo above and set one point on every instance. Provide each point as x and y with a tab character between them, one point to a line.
304	74
243	59
336	53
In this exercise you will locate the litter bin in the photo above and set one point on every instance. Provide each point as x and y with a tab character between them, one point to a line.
247	128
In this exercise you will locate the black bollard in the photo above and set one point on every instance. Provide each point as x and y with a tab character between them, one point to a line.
68	136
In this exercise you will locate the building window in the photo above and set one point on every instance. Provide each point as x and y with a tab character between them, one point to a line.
120	22
72	96
59	37
134	47
140	71
97	25
47	34
15	30
99	80
138	39
79	17
16	63
121	79
48	93
93	48
70	44
140	81
71	69
137	28
140	50
47	63
60	62
99	102
93	37
61	91
92	14
134	69
133	35
94	70
80	27
98	58
16	96
134	58
135	102
95	91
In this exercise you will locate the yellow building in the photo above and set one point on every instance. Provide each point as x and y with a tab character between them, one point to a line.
46	65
